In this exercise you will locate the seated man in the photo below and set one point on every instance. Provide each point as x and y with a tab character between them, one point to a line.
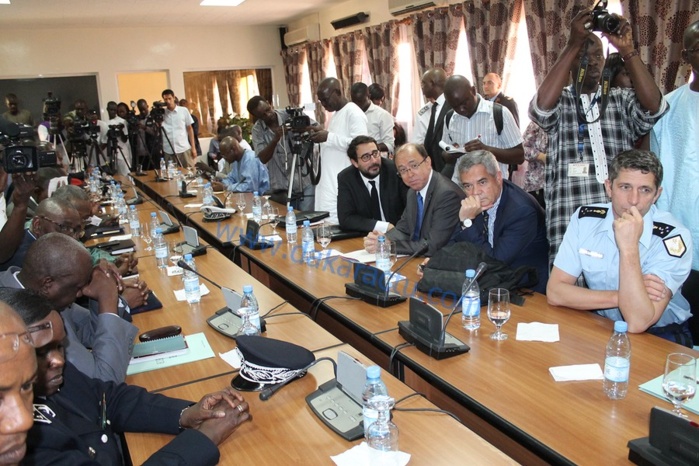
17	377
247	172
432	206
633	256
499	217
59	268
370	194
77	419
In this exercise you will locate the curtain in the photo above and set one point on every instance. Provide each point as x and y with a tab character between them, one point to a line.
381	43
658	28
264	82
435	37
487	30
293	59
348	51
548	26
317	56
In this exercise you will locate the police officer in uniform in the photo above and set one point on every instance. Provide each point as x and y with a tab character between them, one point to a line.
429	121
634	257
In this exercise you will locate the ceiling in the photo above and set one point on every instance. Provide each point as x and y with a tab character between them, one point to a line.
155	13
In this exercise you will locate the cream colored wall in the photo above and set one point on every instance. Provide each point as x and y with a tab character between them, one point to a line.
27	53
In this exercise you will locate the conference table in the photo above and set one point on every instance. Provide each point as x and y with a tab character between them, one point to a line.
501	390
284	429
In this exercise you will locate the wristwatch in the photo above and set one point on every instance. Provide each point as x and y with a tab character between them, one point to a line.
467	223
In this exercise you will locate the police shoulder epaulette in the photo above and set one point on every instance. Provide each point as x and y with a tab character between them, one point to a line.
593	211
423	110
662	229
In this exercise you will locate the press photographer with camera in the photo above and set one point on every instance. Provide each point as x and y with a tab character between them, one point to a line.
118	147
588	124
176	128
277	137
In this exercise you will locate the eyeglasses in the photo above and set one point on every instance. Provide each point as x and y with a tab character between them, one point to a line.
374	154
413	166
65	229
41	334
9	344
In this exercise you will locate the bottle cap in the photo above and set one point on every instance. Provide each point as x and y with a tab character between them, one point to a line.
247	288
373	372
187	257
621	326
132	207
470	273
382	239
255	193
158	231
153	214
307	223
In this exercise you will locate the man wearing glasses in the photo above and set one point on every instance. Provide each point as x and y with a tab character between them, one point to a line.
370	194
432	207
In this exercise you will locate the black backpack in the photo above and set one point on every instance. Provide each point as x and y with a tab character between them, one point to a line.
444	273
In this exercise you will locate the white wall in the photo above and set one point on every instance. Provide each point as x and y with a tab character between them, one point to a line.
27	53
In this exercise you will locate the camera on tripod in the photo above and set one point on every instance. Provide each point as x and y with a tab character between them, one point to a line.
19	156
52	113
85	127
604	21
116	132
298	120
157	113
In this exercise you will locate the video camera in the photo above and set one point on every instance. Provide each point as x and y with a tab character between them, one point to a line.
131	118
20	155
116	132
157	113
604	21
298	120
52	113
85	127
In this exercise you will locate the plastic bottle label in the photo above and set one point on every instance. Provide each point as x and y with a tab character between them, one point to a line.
161	252
616	369
370	416
383	263
471	306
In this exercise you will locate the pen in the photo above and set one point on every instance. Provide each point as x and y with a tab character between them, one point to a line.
104	411
587	252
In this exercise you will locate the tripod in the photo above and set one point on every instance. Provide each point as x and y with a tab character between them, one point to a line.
301	157
113	151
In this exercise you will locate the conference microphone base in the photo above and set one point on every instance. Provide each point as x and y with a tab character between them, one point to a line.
432	348
371	296
187	195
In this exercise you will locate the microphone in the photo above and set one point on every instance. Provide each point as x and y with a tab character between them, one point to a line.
269	392
183	189
421	250
182	264
479	270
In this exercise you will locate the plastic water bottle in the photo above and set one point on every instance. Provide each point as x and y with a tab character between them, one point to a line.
617	362
163	168
191	281
291	227
256	207
171	170
249	303
134	222
308	243
154	224
122	209
208	198
373	387
471	302
383	256
160	248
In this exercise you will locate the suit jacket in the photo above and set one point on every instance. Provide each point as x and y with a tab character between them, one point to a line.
354	199
432	143
510	104
519	233
67	425
440	216
17	258
99	345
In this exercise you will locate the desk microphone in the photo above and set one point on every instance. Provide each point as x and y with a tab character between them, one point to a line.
269	392
182	264
183	189
422	249
479	270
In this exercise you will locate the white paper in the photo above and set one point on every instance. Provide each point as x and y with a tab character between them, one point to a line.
120	237
174	271
327	254
536	331
362	455
232	357
179	294
577	372
272	238
360	255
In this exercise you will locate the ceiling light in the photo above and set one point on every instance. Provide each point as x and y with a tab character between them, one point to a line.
4	2
219	2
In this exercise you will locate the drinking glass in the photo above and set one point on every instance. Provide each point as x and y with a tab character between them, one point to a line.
229	200
680	379
175	252
323	236
146	237
392	257
273	216
498	311
266	206
240	201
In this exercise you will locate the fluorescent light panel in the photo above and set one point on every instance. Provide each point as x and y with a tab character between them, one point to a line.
4	2
218	2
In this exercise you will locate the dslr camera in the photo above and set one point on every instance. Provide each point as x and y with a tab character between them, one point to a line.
604	21
19	156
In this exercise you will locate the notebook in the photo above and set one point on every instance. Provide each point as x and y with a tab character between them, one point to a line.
162	348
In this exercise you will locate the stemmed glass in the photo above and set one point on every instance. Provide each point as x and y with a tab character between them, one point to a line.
266	206
147	238
498	311
273	216
323	237
240	201
229	200
680	380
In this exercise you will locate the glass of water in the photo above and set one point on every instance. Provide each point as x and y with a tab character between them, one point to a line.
240	201
323	235
680	380
498	311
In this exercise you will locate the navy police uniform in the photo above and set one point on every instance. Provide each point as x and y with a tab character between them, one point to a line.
589	248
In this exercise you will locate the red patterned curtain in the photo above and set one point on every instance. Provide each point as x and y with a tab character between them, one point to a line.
293	58
381	42
548	26
435	37
264	82
317	54
658	28
487	30
348	50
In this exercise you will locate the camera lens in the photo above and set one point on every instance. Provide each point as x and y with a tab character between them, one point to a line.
611	24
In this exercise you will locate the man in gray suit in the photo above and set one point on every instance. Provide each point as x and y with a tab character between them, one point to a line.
59	268
432	208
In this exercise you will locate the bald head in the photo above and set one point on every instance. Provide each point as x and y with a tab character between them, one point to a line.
691	34
461	95
56	215
432	83
230	149
329	94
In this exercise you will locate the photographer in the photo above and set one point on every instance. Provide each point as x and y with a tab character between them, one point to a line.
178	136
117	137
586	127
273	142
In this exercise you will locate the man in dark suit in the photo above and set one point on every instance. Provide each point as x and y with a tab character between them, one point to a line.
370	194
430	118
432	208
492	84
503	220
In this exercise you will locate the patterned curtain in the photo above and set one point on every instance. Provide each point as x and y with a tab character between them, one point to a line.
487	30
348	51
435	37
264	83
548	26
658	28
317	55
293	59
381	42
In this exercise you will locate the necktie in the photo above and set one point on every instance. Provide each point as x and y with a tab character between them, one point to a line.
486	218
430	125
418	218
375	206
